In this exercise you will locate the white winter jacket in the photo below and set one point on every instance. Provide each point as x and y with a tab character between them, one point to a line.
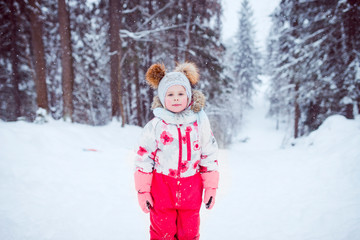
177	144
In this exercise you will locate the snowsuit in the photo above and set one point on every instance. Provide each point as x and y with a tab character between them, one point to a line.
176	148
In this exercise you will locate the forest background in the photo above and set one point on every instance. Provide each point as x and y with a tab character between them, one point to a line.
85	61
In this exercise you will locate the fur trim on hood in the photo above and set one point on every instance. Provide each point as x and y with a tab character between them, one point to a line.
198	101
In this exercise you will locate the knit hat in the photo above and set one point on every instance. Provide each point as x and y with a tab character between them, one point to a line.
171	79
185	74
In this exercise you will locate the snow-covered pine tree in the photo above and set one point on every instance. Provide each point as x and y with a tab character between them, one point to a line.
329	39
91	73
322	62
285	58
52	53
245	63
9	91
348	17
276	93
315	60
292	83
17	87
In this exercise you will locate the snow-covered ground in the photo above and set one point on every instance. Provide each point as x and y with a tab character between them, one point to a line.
63	181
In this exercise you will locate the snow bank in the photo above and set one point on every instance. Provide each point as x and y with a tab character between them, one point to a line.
68	181
335	131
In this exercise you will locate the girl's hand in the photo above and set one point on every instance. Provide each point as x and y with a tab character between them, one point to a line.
143	185
209	197
210	181
145	201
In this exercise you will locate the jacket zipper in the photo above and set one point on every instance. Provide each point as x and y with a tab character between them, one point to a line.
180	150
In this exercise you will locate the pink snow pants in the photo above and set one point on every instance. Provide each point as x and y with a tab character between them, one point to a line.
176	210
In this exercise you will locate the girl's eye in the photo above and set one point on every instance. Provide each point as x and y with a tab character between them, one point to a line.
170	94
181	94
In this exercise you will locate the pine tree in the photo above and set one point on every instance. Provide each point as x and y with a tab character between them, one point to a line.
9	91
17	85
276	93
245	68
315	61
92	76
53	62
348	20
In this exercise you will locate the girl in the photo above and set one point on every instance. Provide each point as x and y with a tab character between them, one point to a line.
177	156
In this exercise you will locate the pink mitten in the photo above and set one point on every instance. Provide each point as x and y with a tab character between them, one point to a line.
210	182
145	201
143	185
209	197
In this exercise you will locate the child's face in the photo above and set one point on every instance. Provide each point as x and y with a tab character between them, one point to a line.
176	99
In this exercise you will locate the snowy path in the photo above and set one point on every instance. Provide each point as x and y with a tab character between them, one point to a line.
52	189
269	193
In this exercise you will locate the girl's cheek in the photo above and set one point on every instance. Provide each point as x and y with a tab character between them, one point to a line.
167	102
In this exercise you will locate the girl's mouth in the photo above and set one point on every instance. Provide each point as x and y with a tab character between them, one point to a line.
176	105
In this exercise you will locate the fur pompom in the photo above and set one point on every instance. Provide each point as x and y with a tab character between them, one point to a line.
154	74
190	70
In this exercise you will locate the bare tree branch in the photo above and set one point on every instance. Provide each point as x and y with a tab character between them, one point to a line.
139	35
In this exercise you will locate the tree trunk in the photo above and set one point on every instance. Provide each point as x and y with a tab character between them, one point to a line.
15	61
117	107
66	60
349	114
312	115
138	94
188	30
114	58
120	94
146	107
39	56
176	36
297	112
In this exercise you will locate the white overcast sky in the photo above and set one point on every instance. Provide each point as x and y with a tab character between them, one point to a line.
261	9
